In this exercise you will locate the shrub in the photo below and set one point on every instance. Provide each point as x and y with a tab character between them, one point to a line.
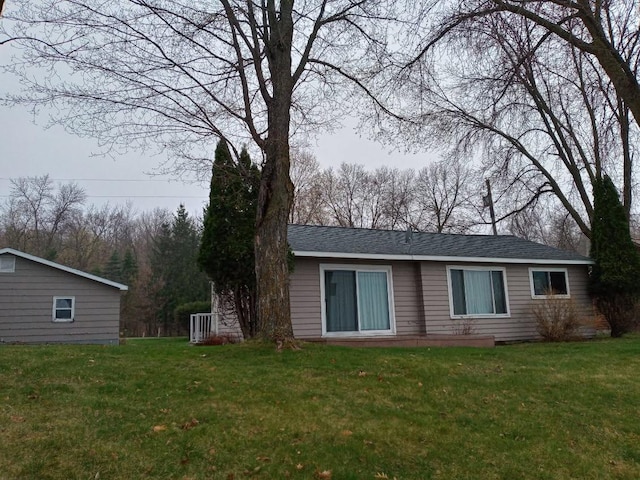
214	340
557	319
182	313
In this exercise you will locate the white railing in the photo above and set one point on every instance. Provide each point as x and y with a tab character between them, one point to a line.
202	326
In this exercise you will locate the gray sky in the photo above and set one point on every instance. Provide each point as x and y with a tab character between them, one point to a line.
28	149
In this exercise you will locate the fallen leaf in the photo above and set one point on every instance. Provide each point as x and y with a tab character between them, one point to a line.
346	433
362	373
263	459
212	451
190	424
17	419
159	428
324	475
299	466
381	475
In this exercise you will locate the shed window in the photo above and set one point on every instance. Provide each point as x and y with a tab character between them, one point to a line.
7	264
477	291
548	281
63	309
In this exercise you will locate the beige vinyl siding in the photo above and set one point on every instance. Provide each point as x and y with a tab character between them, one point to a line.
26	306
519	325
306	313
421	299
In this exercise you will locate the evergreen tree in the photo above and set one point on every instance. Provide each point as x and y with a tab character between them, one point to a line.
113	269
128	268
175	269
616	273
227	248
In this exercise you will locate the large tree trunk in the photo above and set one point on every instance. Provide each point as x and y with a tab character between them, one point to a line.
276	189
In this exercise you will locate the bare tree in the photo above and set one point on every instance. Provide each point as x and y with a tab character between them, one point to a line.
605	31
181	74
37	214
351	198
446	193
307	205
547	116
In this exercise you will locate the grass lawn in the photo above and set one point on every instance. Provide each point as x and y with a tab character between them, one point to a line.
159	408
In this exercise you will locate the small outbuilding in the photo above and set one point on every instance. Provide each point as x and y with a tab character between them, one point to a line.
45	302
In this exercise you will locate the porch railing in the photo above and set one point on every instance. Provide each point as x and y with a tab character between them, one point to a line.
202	326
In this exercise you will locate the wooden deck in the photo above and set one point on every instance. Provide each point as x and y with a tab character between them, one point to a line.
484	341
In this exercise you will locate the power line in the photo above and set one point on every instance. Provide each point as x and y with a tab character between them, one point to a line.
103	180
135	196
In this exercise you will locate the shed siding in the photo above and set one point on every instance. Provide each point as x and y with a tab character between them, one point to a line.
26	303
421	299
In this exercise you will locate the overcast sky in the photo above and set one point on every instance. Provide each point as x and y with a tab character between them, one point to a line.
28	149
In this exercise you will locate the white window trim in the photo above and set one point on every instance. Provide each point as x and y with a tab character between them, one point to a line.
12	264
483	269
73	309
356	268
548	269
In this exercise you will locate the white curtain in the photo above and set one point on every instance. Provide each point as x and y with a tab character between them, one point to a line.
478	292
373	297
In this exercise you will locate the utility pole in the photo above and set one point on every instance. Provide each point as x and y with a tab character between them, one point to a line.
487	201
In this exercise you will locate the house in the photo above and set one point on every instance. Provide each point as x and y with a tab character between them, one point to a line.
351	283
45	302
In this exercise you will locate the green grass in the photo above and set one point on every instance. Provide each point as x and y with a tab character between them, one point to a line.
162	409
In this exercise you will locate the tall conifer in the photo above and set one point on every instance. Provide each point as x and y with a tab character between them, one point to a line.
227	247
615	277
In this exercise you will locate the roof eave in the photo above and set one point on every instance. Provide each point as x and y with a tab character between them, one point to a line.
64	268
438	258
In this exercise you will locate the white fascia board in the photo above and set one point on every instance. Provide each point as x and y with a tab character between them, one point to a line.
433	258
49	263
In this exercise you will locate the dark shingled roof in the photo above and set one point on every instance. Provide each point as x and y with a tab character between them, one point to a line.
366	242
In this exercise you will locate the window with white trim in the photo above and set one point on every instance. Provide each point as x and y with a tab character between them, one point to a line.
7	264
477	291
549	281
356	300
63	309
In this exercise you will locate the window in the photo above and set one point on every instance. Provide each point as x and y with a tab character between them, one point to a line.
7	264
356	300
477	291
63	309
548	281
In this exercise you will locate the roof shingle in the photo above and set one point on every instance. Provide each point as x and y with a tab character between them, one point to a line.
361	242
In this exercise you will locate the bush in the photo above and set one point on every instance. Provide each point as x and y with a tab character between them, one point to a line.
182	313
215	340
557	319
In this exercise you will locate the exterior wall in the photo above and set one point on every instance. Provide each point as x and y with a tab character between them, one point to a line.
421	299
520	325
304	289
26	304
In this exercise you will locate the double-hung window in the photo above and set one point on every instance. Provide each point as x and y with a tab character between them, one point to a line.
357	300
477	291
548	281
63	309
7	264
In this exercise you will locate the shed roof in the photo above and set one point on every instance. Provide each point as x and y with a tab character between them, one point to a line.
33	258
341	242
